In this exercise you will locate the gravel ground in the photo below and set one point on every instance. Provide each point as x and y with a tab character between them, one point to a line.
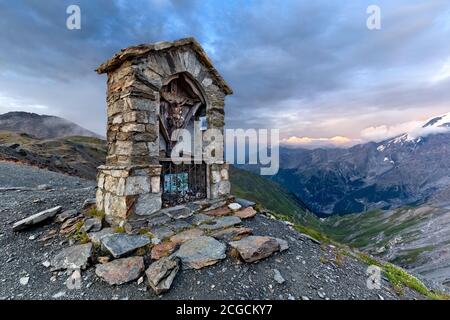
310	270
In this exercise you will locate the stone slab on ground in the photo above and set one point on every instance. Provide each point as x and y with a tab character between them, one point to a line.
162	232
178	225
120	271
178	212
96	237
219	212
63	216
201	252
245	213
36	218
74	257
120	244
245	203
186	235
254	248
232	233
200	218
161	273
163	249
220	223
92	224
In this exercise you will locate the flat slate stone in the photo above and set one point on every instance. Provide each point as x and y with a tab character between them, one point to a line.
246	213
254	248
200	218
158	219
178	225
92	224
219	212
96	237
119	244
178	212
232	233
162	232
186	235
36	218
221	223
163	249
120	271
60	218
245	203
201	252
75	257
161	273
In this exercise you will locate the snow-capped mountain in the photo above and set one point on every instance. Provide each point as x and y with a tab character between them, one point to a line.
407	169
434	125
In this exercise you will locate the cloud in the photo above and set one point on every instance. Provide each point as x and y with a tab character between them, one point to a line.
307	142
384	132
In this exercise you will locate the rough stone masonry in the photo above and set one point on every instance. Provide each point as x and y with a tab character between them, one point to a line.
152	90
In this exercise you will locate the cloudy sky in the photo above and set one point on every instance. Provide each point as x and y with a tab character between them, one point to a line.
310	68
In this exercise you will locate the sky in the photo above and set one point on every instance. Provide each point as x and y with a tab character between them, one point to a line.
309	68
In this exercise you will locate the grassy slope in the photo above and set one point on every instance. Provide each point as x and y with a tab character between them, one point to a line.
269	194
75	155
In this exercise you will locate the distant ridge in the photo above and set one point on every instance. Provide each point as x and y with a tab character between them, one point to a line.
42	126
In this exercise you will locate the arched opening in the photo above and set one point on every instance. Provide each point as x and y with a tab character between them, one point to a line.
182	106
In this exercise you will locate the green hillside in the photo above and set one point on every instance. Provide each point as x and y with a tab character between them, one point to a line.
269	194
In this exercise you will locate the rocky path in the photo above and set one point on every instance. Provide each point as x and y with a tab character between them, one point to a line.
307	270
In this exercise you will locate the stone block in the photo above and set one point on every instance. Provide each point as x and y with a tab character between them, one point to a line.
148	203
137	185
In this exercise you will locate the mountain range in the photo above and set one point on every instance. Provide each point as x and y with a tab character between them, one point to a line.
41	126
408	169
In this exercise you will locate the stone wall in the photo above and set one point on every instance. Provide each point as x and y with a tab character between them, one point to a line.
123	190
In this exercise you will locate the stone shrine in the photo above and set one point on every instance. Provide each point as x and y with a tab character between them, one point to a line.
153	90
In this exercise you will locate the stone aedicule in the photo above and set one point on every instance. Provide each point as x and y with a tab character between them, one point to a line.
130	182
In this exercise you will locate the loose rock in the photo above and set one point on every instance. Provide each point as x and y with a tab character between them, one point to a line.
36	218
245	203
24	281
219	212
43	187
60	218
246	213
89	203
186	235
179	225
177	212
161	232
283	244
234	206
220	223
96	237
120	271
161	273
75	257
119	244
254	248
200	218
201	252
163	249
233	233
92	224
278	277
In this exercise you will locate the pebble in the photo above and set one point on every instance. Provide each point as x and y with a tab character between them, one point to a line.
59	295
278	277
24	280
